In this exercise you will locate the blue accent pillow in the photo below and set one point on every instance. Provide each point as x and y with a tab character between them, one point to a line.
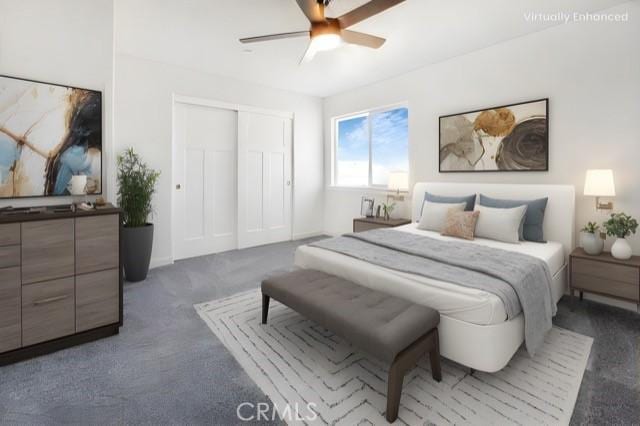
531	228
469	199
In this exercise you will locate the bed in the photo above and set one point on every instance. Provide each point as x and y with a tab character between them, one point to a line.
474	330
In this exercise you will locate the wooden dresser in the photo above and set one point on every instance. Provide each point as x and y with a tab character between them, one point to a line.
60	280
604	275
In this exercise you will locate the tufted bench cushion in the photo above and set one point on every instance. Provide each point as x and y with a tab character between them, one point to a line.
376	322
385	326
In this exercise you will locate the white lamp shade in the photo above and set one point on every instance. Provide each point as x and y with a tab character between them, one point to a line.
599	183
398	180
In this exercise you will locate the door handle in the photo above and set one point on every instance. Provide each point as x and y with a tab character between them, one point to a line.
178	186
288	183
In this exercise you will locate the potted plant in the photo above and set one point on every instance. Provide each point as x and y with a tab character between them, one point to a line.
620	225
592	243
136	185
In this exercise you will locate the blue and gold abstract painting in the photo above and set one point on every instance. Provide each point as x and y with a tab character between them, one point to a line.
48	133
508	138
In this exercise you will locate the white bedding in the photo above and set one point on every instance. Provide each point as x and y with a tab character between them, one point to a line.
466	304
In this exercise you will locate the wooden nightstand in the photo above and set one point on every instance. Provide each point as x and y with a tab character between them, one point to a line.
604	275
367	223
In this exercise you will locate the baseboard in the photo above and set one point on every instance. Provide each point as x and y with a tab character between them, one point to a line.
629	306
303	235
160	261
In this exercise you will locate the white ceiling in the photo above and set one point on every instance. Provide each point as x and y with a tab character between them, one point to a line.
203	35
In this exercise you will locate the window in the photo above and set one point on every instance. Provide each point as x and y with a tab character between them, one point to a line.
369	145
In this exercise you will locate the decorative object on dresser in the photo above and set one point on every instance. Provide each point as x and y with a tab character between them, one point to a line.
599	183
361	224
506	138
620	225
604	275
387	209
60	279
591	239
366	206
136	185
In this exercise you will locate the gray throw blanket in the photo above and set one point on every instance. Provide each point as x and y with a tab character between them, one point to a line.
522	282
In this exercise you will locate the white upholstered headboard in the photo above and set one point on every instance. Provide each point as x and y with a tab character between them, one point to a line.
559	217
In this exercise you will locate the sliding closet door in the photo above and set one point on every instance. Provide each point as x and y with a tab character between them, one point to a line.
205	180
264	179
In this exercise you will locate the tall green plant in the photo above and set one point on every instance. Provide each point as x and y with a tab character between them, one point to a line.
136	185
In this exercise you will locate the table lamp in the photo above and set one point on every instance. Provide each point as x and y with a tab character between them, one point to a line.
599	183
398	181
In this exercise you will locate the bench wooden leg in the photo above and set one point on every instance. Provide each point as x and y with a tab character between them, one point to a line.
265	307
394	391
404	362
434	358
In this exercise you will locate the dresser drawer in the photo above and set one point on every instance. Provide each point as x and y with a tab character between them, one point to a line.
9	256
605	286
366	226
97	243
10	329
47	250
48	310
606	271
9	234
97	299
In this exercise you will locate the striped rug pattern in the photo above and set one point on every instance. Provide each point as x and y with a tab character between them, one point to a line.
296	362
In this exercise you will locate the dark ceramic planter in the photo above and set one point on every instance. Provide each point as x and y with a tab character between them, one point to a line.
137	243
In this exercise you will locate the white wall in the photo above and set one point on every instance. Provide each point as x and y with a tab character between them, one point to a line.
68	42
143	114
589	71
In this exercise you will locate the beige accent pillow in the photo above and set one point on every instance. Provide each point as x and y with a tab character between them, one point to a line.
434	214
500	224
460	224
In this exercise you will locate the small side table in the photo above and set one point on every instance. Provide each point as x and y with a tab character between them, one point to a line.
604	275
361	224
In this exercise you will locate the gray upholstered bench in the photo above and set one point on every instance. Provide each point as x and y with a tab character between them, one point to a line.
387	327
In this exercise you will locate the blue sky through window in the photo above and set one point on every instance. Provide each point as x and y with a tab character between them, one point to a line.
389	144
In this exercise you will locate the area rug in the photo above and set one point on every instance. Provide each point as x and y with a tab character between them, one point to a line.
314	377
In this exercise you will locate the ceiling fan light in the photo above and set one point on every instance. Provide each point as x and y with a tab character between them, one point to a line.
324	42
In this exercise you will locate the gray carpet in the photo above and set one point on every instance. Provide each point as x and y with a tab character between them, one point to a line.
166	367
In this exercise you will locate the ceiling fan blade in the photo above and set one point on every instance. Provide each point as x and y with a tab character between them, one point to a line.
275	36
313	10
362	39
365	11
309	54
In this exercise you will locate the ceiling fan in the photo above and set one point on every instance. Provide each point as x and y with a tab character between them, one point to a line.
329	33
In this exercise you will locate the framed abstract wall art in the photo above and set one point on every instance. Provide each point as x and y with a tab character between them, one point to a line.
48	133
506	138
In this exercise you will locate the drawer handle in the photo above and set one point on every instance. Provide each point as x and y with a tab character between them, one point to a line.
50	300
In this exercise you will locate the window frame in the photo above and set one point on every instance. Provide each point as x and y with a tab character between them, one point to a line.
334	144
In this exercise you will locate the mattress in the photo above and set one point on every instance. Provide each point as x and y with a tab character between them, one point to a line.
453	300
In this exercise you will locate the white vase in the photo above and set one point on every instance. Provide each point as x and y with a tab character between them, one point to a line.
592	243
621	249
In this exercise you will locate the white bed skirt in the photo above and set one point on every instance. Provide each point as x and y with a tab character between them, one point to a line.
481	347
487	347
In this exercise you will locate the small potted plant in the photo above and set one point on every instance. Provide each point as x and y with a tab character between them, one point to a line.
591	241
387	208
620	225
136	185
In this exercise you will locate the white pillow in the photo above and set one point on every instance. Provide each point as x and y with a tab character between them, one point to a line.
500	224
434	214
